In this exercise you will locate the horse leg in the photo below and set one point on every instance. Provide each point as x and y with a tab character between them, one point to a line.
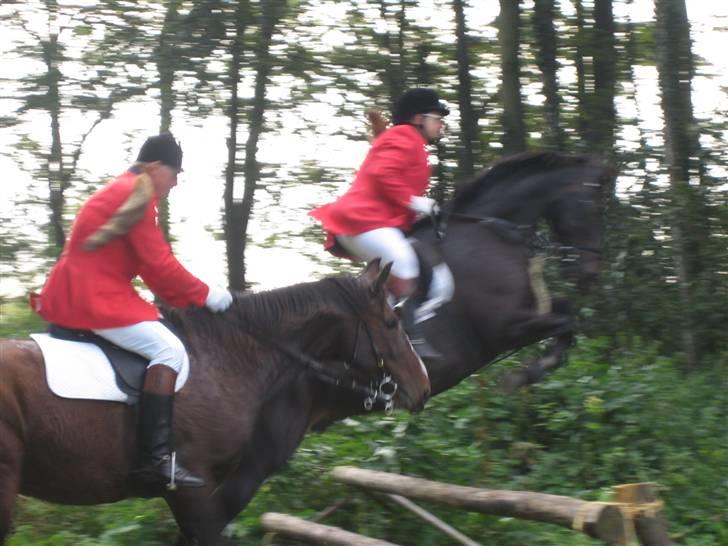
10	462
201	523
201	516
559	324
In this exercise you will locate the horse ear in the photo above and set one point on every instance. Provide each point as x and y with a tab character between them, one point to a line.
371	271
381	279
375	276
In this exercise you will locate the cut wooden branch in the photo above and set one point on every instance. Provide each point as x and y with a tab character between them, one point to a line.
598	520
643	506
433	520
316	533
326	512
270	538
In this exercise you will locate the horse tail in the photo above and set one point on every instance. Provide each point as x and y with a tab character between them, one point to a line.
378	122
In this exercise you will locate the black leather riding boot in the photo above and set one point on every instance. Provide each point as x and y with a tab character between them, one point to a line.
157	458
415	331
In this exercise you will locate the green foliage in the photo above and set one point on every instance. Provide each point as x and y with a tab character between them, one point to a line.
17	320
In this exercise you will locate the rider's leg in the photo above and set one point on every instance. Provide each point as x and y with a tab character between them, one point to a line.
166	354
390	245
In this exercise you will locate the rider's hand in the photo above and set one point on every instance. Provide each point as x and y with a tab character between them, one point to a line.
424	205
218	299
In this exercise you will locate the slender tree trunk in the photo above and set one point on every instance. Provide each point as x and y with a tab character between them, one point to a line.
583	49
56	185
468	117
165	60
514	130
603	115
543	23
393	45
675	67
233	224
272	11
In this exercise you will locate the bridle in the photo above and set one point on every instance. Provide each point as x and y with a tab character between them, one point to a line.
525	232
382	388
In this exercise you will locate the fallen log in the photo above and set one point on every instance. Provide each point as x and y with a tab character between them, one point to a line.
603	521
315	533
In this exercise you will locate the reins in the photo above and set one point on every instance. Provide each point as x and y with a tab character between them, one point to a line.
535	241
382	388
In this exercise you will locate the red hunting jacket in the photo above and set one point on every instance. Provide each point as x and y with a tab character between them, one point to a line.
395	169
93	289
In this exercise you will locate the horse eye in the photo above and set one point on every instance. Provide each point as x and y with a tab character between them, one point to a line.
391	324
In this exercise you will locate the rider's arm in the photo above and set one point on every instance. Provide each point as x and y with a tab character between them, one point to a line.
158	267
392	168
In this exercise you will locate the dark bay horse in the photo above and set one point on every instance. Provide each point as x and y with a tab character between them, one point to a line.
488	226
262	374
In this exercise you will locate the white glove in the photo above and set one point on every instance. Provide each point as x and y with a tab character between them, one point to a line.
423	205
218	299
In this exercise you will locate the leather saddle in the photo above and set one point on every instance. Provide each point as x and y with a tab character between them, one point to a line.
129	368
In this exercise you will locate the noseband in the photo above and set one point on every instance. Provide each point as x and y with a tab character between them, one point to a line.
383	388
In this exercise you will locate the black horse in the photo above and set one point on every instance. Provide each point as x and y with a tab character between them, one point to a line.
262	374
487	230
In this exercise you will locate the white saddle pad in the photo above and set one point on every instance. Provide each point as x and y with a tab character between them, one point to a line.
81	370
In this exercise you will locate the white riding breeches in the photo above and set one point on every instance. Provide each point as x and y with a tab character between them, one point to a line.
152	340
391	245
387	243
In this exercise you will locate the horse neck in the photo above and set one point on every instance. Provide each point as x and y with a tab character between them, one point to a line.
257	324
302	311
523	202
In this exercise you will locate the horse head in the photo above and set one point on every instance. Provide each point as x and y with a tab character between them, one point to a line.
565	190
378	344
575	215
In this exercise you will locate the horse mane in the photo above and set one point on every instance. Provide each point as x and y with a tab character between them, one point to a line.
521	165
267	312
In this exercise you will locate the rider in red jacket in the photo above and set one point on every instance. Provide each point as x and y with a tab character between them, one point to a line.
115	238
388	192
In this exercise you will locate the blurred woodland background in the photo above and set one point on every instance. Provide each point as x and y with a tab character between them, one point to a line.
268	97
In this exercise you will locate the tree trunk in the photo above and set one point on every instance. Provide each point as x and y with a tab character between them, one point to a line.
233	221
546	42
56	185
603	115
468	117
272	11
165	61
675	67
583	50
393	45
514	130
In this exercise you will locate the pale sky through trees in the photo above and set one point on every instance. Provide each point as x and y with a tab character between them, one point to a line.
196	203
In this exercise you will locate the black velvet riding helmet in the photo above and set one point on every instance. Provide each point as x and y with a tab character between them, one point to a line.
163	148
419	100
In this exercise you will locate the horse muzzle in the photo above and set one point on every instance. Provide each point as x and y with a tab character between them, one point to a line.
415	403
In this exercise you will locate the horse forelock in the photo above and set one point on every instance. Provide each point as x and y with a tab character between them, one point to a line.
518	166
